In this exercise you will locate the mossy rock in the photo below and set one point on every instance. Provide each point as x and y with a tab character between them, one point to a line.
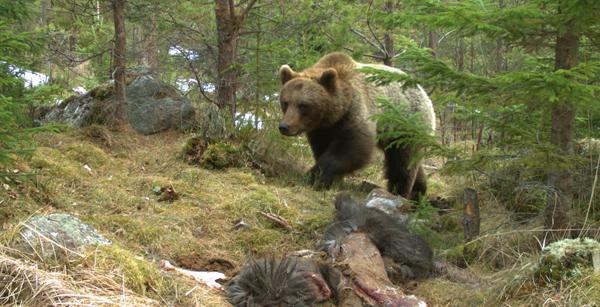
194	149
103	91
564	259
220	156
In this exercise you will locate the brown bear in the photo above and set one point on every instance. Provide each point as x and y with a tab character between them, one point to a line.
332	102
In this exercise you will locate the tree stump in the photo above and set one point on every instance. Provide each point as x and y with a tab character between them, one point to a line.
471	214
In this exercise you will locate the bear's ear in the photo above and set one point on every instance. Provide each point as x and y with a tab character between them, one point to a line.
286	74
328	78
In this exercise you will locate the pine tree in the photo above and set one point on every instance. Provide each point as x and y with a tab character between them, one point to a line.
534	104
14	44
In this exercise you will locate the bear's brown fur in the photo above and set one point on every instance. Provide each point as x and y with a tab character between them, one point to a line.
333	103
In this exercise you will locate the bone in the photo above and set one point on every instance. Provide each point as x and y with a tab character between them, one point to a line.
207	278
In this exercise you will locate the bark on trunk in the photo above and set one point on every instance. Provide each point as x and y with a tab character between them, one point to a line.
471	218
150	50
388	40
499	46
433	43
460	56
226	44
118	7
560	180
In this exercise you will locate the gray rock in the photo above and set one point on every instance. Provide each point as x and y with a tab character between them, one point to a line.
155	106
77	111
64	229
389	203
149	116
152	106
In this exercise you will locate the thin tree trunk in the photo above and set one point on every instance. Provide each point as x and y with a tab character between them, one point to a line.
479	135
388	40
257	72
560	180
433	43
118	7
499	46
472	47
226	44
471	217
150	50
460	59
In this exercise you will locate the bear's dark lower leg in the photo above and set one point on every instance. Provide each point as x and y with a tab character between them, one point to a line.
420	186
409	183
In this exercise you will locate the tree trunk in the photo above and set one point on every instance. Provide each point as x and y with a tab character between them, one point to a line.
118	7
226	44
150	50
560	180
460	56
471	217
498	58
433	43
388	40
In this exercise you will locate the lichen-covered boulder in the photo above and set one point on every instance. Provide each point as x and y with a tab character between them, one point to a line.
155	106
62	229
80	111
566	258
152	106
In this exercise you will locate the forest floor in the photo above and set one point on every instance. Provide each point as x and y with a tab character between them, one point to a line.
107	180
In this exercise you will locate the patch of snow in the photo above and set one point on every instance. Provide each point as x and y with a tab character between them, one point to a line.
248	119
79	90
178	50
32	78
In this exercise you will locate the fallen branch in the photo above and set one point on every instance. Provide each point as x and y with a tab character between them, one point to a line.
278	220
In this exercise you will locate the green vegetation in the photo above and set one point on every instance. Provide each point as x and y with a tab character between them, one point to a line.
515	86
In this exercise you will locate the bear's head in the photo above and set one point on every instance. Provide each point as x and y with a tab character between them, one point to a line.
310	100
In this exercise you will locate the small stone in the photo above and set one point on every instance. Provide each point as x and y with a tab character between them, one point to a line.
241	225
198	232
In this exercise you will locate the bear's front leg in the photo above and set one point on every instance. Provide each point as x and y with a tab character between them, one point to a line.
341	158
324	173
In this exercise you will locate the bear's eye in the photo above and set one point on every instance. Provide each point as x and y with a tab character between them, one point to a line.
303	108
284	105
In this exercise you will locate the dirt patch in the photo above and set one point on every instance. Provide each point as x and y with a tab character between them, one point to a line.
201	263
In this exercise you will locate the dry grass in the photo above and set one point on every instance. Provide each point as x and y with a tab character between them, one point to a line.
115	196
23	282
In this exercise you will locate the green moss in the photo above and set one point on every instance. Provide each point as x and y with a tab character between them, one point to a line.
220	156
463	254
86	154
140	275
260	241
191	175
131	228
594	288
566	259
54	163
259	200
102	91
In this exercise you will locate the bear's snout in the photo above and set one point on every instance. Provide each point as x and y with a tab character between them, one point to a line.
284	129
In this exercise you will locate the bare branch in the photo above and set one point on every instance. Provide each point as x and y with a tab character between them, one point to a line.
367	40
381	45
247	9
195	72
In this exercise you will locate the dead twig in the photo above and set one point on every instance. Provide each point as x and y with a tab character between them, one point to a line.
278	220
